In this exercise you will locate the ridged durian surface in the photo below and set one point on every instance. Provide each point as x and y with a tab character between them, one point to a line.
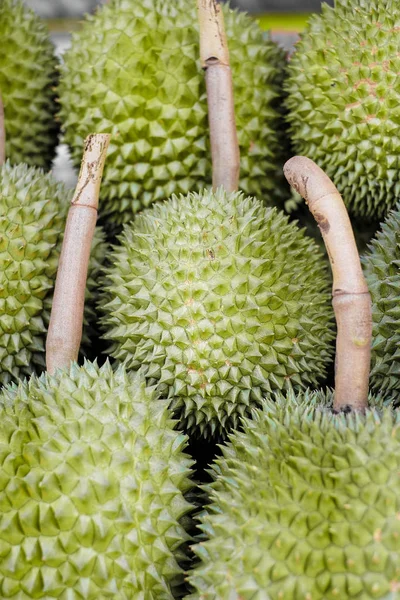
305	505
33	209
93	478
382	270
134	71
220	300
28	76
344	98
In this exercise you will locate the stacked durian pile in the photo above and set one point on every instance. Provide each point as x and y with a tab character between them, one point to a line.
194	325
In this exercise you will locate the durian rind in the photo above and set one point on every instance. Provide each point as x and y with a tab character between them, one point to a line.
33	209
343	101
28	77
134	71
93	478
381	267
219	300
305	504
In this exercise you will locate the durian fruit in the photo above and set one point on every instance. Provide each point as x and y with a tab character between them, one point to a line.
343	101
93	478
381	266
134	71
305	505
305	502
219	300
28	76
33	208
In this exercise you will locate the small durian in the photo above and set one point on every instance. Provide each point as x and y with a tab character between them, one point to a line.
28	76
219	300
305	502
343	101
134	71
93	477
382	271
33	209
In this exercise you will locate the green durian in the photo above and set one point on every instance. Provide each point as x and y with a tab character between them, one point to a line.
93	478
305	506
220	300
344	101
28	76
381	267
134	71
33	209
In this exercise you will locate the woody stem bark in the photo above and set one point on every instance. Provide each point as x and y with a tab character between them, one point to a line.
66	321
214	57
351	298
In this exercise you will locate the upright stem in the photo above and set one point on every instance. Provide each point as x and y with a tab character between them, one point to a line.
351	298
2	133
66	321
214	57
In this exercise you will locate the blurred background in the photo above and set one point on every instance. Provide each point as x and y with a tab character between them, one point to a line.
284	18
74	8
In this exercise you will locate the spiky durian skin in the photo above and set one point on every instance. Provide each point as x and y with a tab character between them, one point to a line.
33	209
305	505
28	76
93	478
381	267
134	71
343	98
219	299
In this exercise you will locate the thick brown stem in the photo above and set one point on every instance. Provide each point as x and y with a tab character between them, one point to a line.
214	57
2	133
65	328
351	298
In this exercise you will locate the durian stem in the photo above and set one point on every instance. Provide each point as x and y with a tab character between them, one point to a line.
214	57
66	321
350	296
2	133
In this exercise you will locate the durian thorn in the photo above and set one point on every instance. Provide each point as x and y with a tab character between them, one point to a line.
214	56
351	298
2	133
66	320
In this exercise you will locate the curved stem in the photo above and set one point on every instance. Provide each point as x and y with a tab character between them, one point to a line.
214	57
66	321
2	133
351	298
